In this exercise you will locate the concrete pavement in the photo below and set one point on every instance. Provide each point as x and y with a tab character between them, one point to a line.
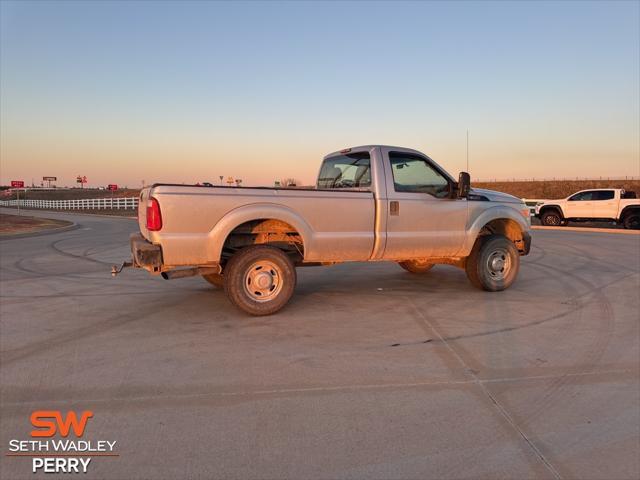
370	372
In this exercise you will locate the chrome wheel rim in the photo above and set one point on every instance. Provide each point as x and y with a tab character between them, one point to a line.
553	220
499	264
263	281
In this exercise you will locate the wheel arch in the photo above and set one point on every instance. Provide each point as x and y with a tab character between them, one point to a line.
259	214
629	210
546	208
498	220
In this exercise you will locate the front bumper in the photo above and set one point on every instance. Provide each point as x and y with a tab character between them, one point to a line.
526	239
145	254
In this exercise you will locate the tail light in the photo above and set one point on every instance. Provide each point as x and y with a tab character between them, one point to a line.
154	218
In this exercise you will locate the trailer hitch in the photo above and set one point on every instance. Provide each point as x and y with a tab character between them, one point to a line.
115	269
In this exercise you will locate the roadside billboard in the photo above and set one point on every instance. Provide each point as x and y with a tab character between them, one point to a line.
49	180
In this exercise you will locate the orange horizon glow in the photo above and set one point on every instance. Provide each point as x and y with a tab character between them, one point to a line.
126	92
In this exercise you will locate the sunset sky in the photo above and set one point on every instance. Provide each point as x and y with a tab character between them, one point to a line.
158	91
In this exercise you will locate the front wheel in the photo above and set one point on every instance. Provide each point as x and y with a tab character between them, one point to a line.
259	279
552	219
493	263
416	266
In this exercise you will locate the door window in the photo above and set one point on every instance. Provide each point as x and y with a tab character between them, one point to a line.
412	173
582	197
603	195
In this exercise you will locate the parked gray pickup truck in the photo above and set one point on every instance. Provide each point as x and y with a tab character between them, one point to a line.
371	203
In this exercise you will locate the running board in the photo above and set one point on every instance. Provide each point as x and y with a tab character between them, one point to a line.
190	272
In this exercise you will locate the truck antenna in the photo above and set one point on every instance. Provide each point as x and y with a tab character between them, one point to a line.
467	150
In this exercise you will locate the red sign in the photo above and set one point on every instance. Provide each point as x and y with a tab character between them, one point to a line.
17	183
112	186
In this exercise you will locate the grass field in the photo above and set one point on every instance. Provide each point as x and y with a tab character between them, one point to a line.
17	224
73	194
553	189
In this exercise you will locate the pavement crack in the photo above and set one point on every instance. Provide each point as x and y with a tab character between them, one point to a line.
421	342
498	406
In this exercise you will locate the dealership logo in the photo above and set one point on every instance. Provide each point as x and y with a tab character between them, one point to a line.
67	454
42	419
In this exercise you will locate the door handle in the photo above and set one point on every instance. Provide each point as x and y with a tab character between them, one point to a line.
394	208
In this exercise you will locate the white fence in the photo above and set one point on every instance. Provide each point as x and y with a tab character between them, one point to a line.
126	203
123	203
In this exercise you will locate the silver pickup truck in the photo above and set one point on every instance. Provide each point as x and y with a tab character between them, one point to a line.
371	203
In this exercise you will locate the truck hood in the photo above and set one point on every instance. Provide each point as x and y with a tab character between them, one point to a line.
494	196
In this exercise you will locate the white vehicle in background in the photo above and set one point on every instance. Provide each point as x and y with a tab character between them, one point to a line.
602	204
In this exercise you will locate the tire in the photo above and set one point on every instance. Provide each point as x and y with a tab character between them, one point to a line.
632	221
493	263
215	279
260	279
552	218
416	266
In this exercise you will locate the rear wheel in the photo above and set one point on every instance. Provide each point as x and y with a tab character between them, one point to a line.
416	266
632	221
552	218
493	263
259	279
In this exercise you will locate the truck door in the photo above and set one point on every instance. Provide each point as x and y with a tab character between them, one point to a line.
422	219
580	205
605	204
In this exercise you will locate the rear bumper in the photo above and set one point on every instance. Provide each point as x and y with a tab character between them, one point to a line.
145	254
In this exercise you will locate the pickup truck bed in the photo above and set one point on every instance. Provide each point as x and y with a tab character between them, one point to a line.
337	226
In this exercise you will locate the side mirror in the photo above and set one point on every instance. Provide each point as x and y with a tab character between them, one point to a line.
464	184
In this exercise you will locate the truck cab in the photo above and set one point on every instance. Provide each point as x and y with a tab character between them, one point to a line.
418	210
